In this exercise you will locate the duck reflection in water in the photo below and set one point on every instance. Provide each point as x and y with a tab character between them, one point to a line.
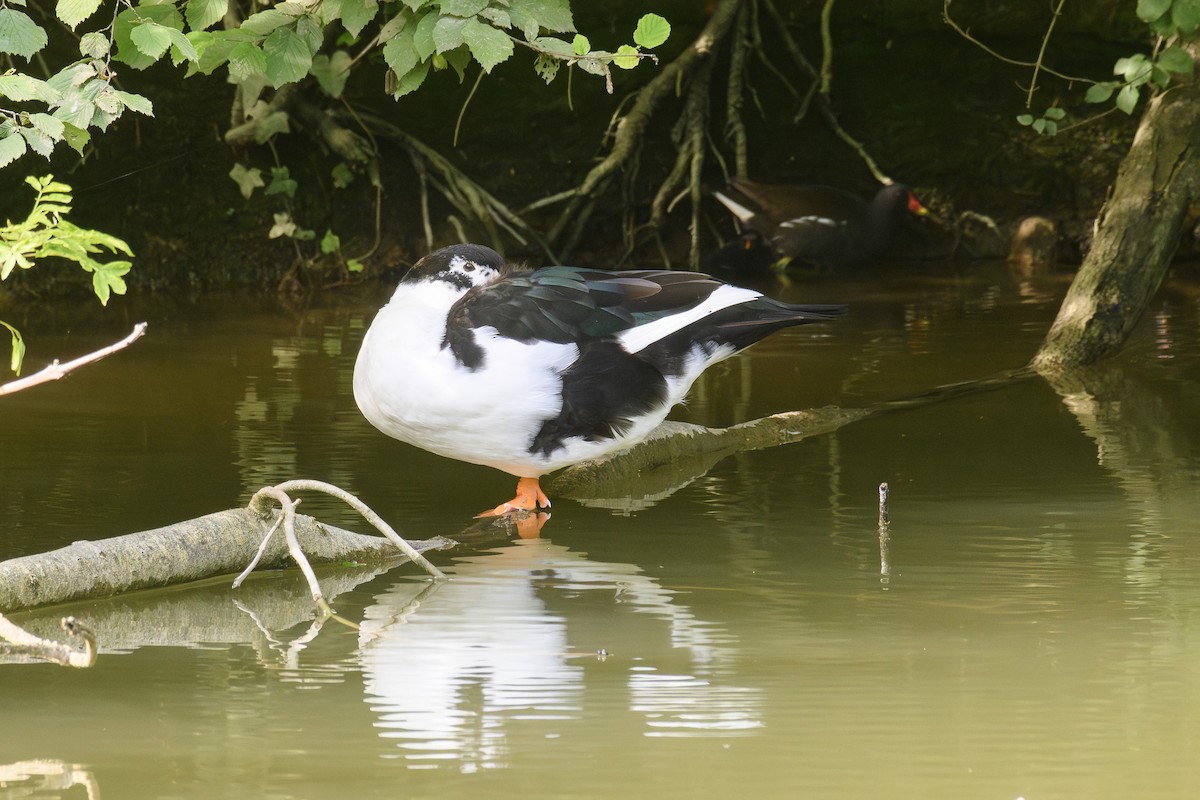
453	684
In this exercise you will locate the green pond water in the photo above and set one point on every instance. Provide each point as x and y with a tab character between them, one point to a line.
1030	627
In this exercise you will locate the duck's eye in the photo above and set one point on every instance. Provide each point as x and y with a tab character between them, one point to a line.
468	267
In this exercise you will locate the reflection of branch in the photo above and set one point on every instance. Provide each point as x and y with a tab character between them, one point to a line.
56	370
26	645
46	775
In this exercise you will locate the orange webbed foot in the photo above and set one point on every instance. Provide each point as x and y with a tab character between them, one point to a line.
530	497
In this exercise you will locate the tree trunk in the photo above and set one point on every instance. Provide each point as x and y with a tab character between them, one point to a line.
1137	232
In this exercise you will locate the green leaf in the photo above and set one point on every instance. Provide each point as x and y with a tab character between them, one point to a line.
463	8
1100	92
70	77
652	30
288	57
410	81
73	12
400	53
556	47
75	137
135	102
1150	10
448	33
283	226
48	125
330	243
19	35
1176	59
130	19
272	124
108	278
1025	119
182	47
12	147
497	16
203	13
581	45
458	59
392	27
488	45
22	87
343	176
354	265
1134	69
332	72
530	16
357	13
18	349
1127	98
94	44
423	35
265	22
1054	113
246	61
626	57
1185	14
151	39
546	66
247	179
281	182
38	142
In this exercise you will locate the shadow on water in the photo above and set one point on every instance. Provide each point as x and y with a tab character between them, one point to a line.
1035	633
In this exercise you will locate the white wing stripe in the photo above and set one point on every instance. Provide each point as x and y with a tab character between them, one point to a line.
637	339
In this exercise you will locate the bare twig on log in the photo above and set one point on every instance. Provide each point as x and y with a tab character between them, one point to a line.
280	495
56	370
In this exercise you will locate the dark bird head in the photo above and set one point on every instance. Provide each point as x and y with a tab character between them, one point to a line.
464	266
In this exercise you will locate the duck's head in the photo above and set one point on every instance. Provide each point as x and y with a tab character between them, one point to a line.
464	266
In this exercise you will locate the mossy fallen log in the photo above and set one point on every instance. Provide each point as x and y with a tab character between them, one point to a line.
676	453
222	543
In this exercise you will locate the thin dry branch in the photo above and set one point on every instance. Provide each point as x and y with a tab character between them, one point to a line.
55	370
280	494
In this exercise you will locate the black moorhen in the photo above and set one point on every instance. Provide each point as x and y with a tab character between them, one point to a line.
820	224
748	259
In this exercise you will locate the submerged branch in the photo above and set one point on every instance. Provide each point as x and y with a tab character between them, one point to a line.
676	453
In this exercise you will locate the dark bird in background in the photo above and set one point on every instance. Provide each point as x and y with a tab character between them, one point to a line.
748	259
530	371
822	225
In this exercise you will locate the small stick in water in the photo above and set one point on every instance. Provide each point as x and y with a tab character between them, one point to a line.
885	525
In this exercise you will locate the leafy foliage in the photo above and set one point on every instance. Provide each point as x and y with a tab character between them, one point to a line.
276	46
1169	21
46	233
